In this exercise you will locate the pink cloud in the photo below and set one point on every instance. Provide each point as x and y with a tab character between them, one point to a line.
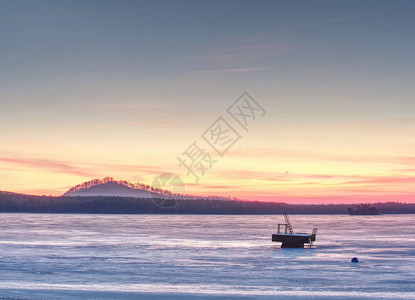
213	186
148	113
59	167
251	51
303	155
232	70
154	122
46	192
128	106
336	198
238	55
385	180
244	174
90	170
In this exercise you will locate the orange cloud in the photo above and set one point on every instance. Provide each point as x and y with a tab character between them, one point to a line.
50	165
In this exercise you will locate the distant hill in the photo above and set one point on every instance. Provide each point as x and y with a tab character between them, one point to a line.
112	189
117	188
109	187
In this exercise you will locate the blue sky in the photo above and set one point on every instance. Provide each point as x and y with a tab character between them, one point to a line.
77	77
142	46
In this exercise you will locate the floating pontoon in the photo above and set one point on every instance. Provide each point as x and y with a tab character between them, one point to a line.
289	239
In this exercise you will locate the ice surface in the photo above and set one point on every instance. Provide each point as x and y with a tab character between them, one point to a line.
65	256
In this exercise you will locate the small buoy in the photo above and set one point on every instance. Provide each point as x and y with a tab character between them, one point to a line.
355	260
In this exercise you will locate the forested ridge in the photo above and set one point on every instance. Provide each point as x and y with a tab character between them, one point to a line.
11	202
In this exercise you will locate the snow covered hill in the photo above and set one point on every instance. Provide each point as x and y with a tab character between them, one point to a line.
111	187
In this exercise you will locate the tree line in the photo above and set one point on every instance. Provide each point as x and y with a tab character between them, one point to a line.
11	202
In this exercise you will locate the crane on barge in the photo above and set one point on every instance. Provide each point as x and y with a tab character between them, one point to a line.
289	239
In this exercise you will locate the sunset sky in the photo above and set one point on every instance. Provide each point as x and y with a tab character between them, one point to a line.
90	89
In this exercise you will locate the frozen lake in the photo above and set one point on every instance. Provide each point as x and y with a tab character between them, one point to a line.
72	256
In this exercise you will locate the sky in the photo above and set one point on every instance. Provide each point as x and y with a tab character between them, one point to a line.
90	89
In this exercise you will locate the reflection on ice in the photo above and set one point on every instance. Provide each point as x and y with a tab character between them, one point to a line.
64	256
